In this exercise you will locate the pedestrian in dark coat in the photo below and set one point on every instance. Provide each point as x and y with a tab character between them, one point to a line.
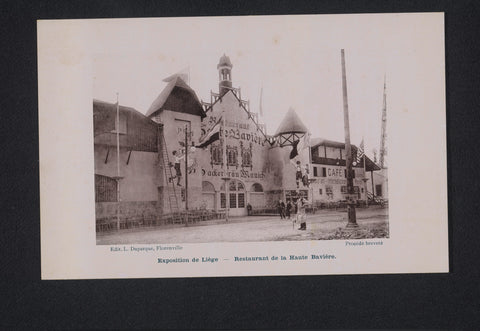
288	210
279	208
249	209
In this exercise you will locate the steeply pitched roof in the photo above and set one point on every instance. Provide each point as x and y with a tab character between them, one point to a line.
291	123
141	132
177	96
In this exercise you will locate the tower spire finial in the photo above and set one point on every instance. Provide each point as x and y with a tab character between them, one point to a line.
224	67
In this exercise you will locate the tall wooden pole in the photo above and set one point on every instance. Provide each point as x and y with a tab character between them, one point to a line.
373	185
186	175
352	219
365	177
384	124
117	120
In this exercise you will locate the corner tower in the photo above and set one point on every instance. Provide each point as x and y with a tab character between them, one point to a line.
224	67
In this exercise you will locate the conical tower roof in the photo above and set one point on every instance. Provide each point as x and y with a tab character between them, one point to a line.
291	124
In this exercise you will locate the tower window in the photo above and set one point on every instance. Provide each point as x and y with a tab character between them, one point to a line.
216	153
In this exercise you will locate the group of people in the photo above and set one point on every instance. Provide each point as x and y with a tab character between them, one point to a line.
299	208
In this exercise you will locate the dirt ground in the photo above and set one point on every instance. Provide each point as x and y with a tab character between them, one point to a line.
324	225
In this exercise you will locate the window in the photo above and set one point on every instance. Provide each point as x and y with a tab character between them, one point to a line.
232	154
315	174
105	189
320	191
241	200
247	158
223	201
233	200
216	153
329	191
343	189
324	172
257	188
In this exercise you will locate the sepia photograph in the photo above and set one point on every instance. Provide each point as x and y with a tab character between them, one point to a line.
252	143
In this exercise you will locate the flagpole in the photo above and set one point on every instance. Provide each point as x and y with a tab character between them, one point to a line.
118	163
365	178
186	175
261	102
352	218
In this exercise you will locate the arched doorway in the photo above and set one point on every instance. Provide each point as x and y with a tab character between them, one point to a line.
208	195
257	196
236	198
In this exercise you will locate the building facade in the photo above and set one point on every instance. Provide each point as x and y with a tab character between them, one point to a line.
126	178
165	165
329	174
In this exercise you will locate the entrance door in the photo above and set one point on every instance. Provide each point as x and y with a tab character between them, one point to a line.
236	198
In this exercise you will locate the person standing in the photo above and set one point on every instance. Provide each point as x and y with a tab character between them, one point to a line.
302	215
249	209
288	210
177	167
305	179
298	173
282	209
279	208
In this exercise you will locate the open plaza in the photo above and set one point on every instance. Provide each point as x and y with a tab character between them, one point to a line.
325	224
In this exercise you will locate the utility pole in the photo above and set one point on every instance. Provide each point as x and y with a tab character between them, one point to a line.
186	175
383	137
117	129
352	218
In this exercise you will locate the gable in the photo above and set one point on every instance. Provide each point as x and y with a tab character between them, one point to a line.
177	96
234	112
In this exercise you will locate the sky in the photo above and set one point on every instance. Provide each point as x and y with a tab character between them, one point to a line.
295	59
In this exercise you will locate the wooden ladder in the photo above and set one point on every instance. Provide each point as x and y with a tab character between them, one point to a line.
172	194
